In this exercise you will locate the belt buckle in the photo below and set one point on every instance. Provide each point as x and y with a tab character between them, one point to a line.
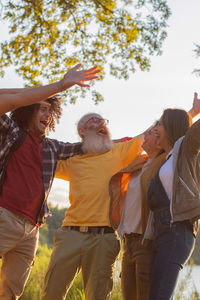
83	228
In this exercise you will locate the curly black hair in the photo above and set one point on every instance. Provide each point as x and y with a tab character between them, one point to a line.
23	115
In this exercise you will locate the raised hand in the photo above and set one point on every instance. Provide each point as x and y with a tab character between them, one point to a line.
73	76
195	110
196	104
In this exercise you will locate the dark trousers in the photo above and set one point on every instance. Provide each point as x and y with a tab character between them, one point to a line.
172	248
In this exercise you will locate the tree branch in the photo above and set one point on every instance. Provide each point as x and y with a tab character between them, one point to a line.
104	7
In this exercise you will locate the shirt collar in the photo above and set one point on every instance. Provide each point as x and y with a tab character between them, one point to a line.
169	154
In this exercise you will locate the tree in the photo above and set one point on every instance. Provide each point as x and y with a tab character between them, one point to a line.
52	224
47	36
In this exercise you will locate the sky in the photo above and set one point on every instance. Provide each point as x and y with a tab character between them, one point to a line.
132	106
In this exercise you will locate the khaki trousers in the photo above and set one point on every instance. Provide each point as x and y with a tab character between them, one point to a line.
94	254
18	243
135	276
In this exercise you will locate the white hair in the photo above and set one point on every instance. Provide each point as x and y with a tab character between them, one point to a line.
83	120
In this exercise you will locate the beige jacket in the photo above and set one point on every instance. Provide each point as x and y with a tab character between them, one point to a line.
119	184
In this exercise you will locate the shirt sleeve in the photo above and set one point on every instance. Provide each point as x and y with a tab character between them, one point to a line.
130	150
62	170
8	128
5	122
66	150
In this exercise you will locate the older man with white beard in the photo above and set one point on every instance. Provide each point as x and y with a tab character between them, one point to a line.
86	241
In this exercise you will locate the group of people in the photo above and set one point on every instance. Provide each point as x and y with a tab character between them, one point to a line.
151	201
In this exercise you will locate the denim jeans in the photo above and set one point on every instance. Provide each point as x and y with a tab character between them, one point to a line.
172	247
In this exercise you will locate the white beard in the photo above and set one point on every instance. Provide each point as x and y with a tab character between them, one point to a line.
96	144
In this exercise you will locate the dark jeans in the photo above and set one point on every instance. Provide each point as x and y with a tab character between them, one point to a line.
172	247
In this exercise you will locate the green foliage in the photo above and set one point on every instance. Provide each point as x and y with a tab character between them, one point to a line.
116	292
183	290
33	289
47	37
76	290
196	253
52	224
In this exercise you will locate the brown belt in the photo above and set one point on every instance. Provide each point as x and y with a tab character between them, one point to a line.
91	229
133	235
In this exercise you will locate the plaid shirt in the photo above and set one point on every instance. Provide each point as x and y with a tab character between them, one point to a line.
52	151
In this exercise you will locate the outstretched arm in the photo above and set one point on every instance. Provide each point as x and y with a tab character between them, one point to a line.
191	141
11	99
195	110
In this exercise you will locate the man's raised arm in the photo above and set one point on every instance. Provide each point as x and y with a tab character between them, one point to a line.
11	99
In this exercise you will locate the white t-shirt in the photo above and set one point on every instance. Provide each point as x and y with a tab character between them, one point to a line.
131	220
166	175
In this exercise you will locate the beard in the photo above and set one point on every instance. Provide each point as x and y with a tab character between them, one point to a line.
96	144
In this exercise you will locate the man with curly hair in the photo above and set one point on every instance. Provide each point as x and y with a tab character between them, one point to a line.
27	165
